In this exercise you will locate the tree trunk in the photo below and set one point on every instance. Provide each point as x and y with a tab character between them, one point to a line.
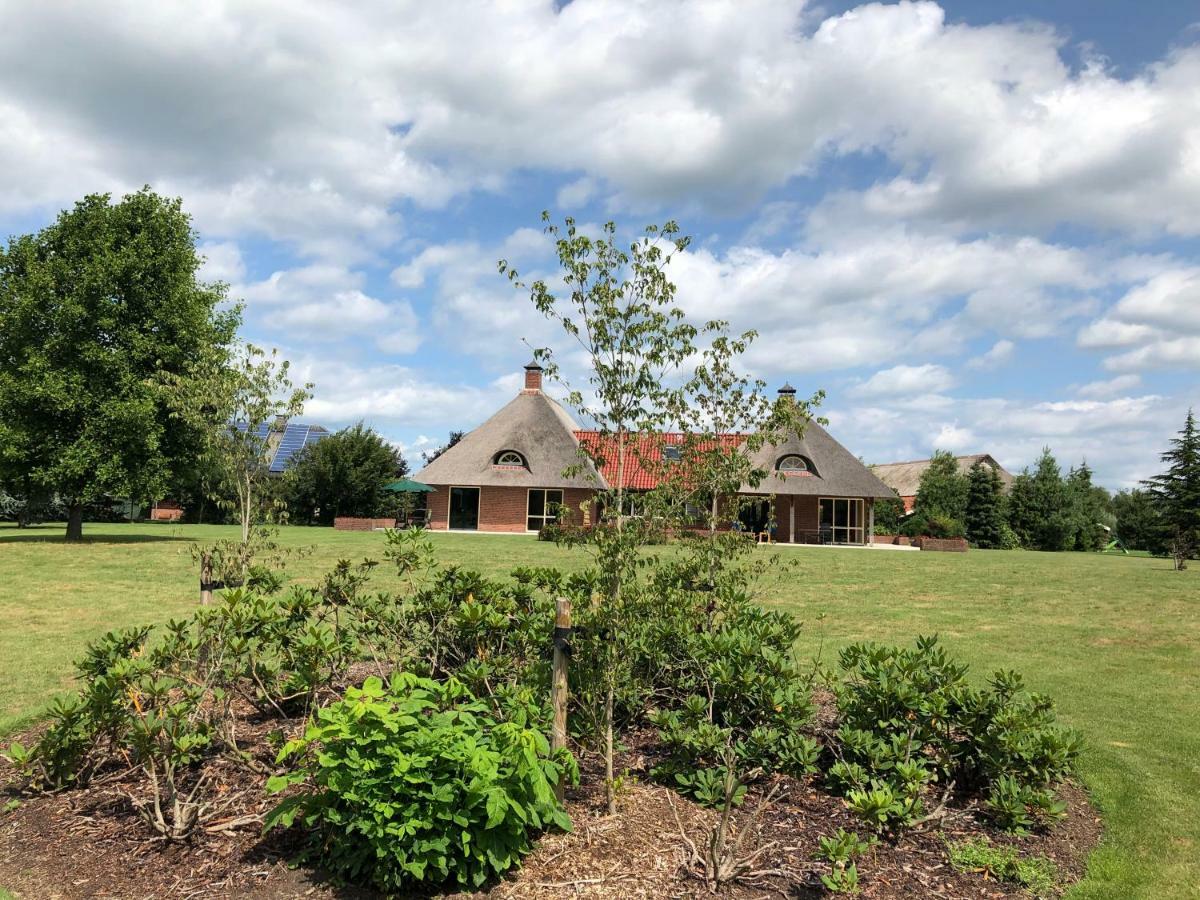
75	522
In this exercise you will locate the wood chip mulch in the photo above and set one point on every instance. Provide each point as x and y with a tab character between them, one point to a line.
89	843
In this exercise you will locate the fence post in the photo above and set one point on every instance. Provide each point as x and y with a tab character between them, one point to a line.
558	685
205	578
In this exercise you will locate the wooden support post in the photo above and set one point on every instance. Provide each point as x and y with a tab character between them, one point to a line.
558	684
206	578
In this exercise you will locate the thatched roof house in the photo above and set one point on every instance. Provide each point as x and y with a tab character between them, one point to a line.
514	470
905	477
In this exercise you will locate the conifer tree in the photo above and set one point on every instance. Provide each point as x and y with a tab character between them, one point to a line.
984	518
1176	493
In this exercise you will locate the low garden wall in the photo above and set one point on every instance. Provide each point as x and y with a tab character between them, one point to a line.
354	523
952	545
899	539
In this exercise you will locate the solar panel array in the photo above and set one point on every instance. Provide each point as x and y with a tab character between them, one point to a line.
295	438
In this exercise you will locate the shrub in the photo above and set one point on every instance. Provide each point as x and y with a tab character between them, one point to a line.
840	849
419	782
934	525
729	687
909	717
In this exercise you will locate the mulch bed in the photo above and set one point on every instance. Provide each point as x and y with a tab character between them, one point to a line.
90	843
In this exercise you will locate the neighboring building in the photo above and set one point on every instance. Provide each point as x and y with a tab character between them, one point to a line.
905	477
507	475
283	439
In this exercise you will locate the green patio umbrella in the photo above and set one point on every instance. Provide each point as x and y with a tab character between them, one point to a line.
408	486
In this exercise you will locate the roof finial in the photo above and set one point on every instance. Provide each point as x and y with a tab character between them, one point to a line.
787	390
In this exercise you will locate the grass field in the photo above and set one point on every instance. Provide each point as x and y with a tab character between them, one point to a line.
1115	640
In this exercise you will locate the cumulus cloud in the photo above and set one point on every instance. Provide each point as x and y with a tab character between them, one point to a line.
997	355
309	123
1156	323
325	303
1111	387
899	380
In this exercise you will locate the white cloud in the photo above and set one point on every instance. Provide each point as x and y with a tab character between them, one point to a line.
326	303
999	353
1118	436
1158	320
309	123
1112	387
901	380
222	262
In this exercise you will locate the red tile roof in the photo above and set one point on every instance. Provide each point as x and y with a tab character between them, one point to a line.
644	464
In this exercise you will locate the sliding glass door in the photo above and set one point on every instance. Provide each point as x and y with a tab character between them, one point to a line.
464	508
842	520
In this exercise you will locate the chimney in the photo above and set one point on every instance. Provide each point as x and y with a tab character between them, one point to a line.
533	376
788	393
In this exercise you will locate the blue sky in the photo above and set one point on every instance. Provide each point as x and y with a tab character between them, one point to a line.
975	225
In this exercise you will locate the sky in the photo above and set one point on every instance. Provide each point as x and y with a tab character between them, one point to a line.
975	225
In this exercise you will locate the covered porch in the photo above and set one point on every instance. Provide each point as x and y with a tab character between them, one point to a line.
807	519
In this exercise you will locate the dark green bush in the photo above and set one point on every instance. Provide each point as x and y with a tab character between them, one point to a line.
420	782
934	525
909	718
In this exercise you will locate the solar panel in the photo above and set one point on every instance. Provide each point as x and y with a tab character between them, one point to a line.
292	442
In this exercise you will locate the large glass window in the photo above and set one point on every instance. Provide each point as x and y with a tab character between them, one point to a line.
842	520
543	508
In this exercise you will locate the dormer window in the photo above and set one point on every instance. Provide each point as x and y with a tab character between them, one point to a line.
672	453
509	459
793	464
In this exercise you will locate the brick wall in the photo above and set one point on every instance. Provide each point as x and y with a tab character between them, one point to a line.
353	523
501	509
807	517
953	545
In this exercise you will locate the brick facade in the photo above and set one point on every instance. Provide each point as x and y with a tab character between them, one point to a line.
501	509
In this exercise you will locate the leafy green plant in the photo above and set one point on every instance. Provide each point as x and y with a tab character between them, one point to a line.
419	781
1037	874
841	849
882	807
910	718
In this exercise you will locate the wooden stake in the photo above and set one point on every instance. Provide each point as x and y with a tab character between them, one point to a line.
558	685
205	579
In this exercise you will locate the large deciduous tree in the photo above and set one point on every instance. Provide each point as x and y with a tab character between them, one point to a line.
343	475
93	309
943	488
1176	493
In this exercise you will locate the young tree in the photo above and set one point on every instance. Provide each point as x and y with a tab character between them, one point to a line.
343	475
984	515
234	407
1176	493
93	308
943	488
618	309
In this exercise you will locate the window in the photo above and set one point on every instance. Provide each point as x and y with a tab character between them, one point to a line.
672	454
543	508
842	520
509	458
792	464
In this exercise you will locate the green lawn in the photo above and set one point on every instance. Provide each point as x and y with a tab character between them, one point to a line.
1113	639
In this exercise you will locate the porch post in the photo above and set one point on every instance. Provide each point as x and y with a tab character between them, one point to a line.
791	520
870	521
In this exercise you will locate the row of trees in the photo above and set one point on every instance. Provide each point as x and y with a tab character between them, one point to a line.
1047	510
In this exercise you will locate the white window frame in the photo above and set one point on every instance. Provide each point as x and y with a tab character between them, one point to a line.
520	463
851	534
546	517
804	466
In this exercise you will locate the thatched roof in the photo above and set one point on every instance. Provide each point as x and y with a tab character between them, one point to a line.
835	471
532	425
905	477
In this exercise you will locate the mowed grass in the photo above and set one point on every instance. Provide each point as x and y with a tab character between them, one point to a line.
1115	640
